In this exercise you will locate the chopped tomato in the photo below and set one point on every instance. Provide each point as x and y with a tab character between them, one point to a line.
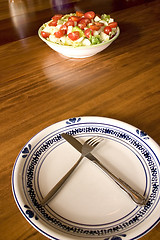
53	23
74	18
107	30
85	20
88	32
81	25
79	13
89	15
113	24
70	23
94	27
57	17
60	33
64	27
45	34
99	24
74	35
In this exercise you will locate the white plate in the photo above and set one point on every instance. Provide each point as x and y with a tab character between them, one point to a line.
90	205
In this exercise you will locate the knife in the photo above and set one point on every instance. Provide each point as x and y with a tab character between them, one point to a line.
136	197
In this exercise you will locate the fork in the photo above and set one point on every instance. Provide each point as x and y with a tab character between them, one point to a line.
87	147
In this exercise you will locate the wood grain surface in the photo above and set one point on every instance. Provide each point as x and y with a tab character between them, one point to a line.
39	87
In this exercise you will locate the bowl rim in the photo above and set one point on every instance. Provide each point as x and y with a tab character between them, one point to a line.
80	47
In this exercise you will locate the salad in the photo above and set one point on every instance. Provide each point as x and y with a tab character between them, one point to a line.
79	29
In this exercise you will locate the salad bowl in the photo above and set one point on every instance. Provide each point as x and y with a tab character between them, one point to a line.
79	36
78	52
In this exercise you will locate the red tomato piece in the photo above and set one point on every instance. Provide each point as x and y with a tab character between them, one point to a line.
107	30
74	18
88	32
60	33
64	27
57	17
79	13
99	24
81	25
45	34
85	20
74	35
89	15
70	23
113	24
95	27
53	23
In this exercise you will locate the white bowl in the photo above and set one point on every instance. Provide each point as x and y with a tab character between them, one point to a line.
78	52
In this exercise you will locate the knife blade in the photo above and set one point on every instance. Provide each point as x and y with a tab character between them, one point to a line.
135	196
76	144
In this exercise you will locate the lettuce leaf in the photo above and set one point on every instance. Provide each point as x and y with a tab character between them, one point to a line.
95	39
105	17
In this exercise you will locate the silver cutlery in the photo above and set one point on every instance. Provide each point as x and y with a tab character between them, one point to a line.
135	196
86	148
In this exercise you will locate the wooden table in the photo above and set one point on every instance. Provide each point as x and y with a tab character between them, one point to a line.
38	87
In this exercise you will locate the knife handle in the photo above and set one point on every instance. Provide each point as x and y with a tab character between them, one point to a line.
136	197
55	189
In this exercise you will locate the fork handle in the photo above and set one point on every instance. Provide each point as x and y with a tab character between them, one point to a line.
136	197
55	189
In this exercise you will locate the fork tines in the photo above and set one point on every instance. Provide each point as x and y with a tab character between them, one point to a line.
94	140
